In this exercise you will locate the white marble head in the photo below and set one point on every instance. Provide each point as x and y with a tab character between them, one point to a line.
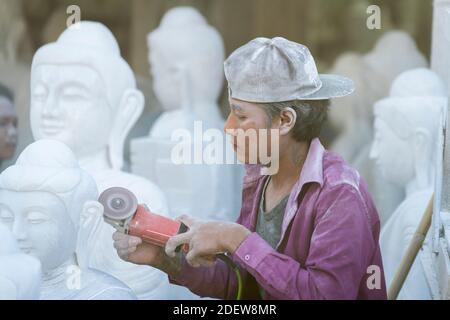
41	199
186	56
406	128
395	52
83	93
343	111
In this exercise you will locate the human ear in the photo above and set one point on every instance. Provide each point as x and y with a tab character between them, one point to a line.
288	117
130	109
91	219
93	208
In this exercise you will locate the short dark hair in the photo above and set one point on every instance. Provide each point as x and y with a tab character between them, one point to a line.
6	93
311	114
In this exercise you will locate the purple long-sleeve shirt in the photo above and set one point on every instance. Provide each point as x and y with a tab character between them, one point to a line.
329	242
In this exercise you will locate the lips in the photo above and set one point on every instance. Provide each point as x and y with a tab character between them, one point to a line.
25	250
51	127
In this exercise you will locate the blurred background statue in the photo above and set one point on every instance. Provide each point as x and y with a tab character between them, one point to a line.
404	149
394	53
83	93
186	58
42	198
15	49
8	125
20	274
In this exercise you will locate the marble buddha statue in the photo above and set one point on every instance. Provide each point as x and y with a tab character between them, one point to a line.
20	274
404	149
83	93
373	73
186	57
43	198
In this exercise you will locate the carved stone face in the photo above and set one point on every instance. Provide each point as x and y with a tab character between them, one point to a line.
8	129
41	225
392	154
69	103
167	80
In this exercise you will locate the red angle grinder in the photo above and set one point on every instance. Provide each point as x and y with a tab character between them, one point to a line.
122	211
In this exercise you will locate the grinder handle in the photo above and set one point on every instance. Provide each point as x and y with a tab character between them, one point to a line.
183	228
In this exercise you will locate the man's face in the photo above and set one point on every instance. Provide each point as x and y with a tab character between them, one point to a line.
253	120
8	129
392	154
69	103
41	225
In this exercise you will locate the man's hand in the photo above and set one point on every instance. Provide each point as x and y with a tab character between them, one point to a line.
134	250
207	239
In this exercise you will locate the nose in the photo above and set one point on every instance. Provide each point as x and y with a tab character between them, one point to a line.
230	124
12	131
51	108
18	230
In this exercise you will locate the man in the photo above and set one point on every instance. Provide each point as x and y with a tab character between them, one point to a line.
8	125
308	231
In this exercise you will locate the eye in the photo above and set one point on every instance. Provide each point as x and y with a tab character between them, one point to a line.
6	216
39	92
73	92
36	217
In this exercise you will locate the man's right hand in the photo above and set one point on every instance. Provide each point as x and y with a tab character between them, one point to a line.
134	250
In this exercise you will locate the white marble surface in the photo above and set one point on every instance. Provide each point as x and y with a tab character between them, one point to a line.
20	274
405	149
42	198
373	73
83	93
186	56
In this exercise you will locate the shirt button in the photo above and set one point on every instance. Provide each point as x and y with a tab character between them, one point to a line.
247	257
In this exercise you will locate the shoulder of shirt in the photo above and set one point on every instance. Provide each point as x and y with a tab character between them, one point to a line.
337	173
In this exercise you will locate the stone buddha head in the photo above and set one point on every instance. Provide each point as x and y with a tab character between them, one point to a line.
186	57
406	128
83	93
41	199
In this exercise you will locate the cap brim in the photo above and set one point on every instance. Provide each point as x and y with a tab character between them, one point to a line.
333	86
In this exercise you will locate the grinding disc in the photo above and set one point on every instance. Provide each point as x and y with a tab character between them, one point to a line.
119	203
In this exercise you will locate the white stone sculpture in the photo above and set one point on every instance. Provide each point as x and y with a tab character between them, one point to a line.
186	57
373	73
439	273
20	274
441	40
43	197
83	93
405	144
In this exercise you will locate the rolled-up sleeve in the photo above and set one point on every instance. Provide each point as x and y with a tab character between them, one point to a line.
340	250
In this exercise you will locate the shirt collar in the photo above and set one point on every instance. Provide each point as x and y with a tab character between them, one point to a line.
312	170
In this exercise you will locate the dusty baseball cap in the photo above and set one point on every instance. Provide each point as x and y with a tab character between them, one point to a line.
275	70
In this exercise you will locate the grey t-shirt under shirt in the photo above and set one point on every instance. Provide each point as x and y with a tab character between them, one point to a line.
269	223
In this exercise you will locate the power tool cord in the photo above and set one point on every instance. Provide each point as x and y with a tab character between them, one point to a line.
233	267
